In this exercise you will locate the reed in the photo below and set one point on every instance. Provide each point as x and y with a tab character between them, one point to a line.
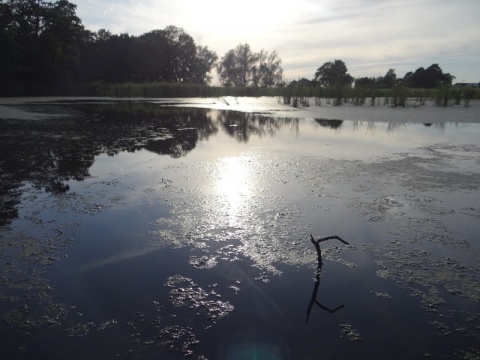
172	90
443	97
399	96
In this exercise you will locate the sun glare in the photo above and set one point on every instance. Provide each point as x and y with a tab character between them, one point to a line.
232	187
237	19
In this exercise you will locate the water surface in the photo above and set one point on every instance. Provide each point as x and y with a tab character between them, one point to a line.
147	229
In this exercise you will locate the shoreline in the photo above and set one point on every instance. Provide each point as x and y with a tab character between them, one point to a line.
10	108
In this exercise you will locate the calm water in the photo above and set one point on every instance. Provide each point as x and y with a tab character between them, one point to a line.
165	229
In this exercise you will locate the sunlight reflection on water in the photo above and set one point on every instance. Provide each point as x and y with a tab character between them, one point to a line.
233	187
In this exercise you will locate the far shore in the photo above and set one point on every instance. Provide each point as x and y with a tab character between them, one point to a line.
14	108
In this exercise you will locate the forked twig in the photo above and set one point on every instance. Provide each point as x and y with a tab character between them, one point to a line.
317	242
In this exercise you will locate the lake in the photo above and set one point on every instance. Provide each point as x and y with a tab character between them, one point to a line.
173	228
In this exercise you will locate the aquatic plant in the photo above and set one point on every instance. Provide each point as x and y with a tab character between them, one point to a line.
399	96
467	95
443	97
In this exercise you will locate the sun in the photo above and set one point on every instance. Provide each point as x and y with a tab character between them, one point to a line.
237	19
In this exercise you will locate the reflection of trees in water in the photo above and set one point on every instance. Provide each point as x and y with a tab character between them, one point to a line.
392	126
132	126
242	126
49	153
43	153
371	126
333	124
439	126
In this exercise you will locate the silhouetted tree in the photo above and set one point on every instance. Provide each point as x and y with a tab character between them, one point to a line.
390	78
10	54
333	73
150	57
431	77
242	67
380	82
237	67
182	53
228	70
204	62
268	71
303	83
42	41
369	82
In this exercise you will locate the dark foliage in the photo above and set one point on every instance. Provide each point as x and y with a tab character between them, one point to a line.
242	67
382	82
430	77
40	44
47	51
333	74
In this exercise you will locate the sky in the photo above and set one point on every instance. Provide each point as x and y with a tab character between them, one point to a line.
369	36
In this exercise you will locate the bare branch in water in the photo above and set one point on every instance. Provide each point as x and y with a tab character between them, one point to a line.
313	299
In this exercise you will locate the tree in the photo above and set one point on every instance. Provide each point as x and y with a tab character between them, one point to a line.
61	35
242	67
333	73
268	71
227	69
182	53
431	77
43	41
169	55
368	82
10	54
302	83
237	67
390	78
203	64
150	58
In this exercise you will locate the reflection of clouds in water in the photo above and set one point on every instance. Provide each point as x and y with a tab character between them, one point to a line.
116	258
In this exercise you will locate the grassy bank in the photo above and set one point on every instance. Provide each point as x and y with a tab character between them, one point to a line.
399	96
172	90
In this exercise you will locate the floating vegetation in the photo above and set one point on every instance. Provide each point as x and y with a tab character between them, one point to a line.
348	332
175	338
203	262
14	316
195	298
383	295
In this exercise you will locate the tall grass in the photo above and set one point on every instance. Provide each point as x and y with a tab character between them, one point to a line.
171	90
399	96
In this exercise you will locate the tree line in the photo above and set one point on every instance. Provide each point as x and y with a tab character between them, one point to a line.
335	73
46	50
